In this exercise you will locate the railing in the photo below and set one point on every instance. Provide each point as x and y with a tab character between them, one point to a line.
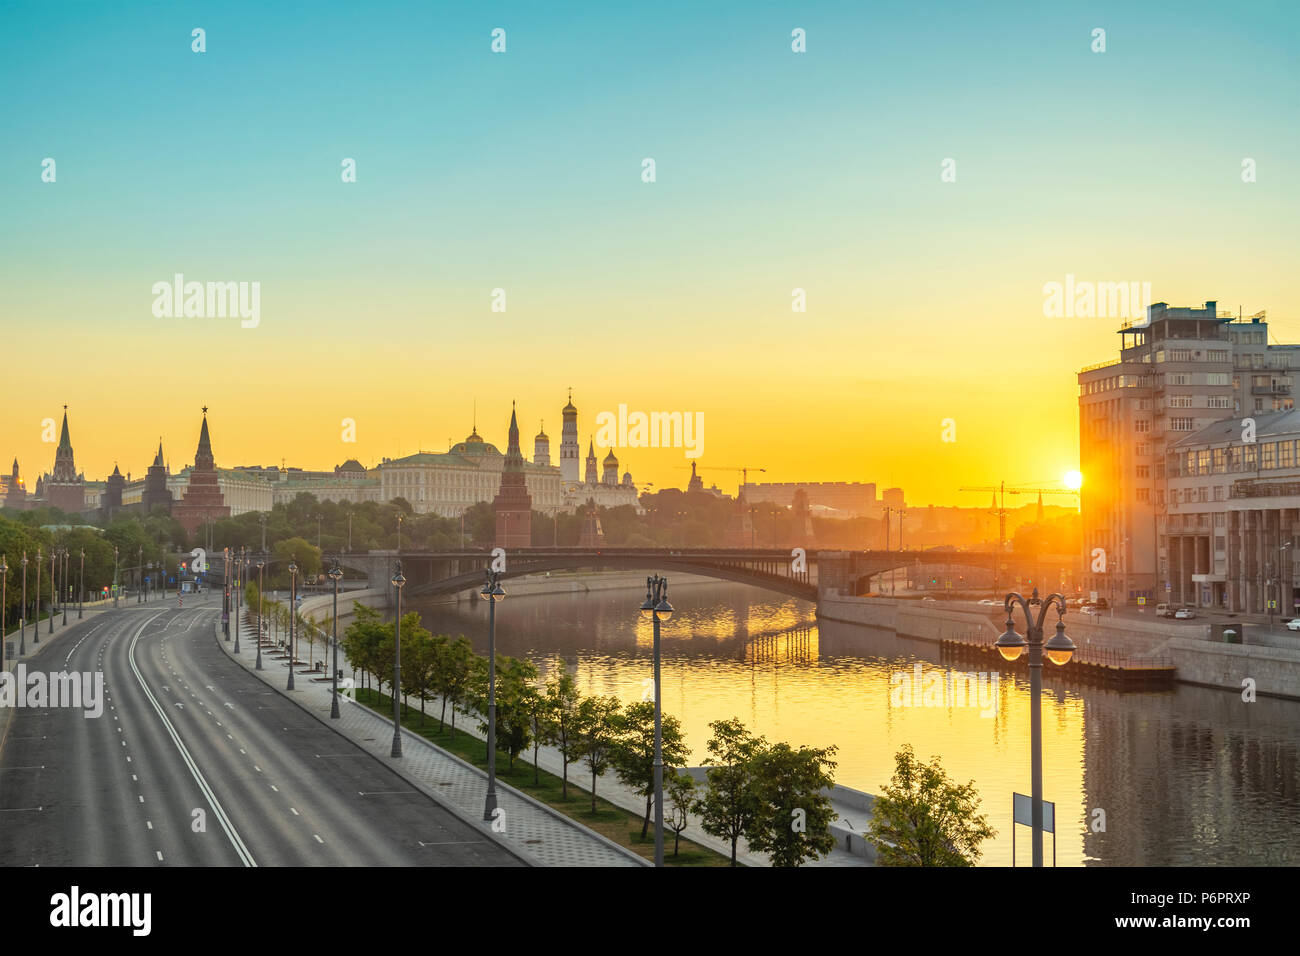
1093	368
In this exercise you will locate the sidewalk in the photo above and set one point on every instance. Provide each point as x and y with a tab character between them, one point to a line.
535	833
608	786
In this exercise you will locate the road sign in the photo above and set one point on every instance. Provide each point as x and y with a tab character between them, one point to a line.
1022	811
1142	602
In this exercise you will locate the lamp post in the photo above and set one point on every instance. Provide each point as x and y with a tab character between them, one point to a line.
336	575
239	578
293	594
139	574
1281	553
260	564
492	592
53	593
81	585
114	575
225	594
36	631
1059	651
399	579
4	594
657	609
22	618
63	591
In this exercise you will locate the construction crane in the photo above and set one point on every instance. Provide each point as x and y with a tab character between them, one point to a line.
1000	502
744	472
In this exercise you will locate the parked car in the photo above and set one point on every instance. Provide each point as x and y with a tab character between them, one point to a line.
1184	614
1090	609
989	602
1101	603
927	599
1164	610
1293	624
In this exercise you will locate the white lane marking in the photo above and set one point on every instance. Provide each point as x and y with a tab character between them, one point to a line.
294	812
275	788
257	768
213	802
149	824
159	852
141	797
318	839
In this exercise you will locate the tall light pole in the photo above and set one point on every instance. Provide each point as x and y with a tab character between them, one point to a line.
260	564
81	585
22	618
1059	651
139	574
336	575
53	595
293	594
399	580
225	594
262	518
492	592
399	533
114	575
4	595
318	517
657	608
36	631
63	591
239	577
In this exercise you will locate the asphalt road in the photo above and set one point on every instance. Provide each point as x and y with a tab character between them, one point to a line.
195	762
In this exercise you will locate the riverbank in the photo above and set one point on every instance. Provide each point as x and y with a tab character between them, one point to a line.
1196	655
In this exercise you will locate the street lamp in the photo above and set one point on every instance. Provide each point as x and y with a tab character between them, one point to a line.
336	575
293	595
4	594
36	630
657	609
225	594
114	575
22	618
63	591
239	578
260	564
1059	651
492	592
399	579
81	585
139	574
53	594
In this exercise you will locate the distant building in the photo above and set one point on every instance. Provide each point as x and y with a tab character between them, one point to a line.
512	507
64	488
850	498
202	500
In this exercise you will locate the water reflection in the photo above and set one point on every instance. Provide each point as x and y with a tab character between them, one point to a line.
1189	776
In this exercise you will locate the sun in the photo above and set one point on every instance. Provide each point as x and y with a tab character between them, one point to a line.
1073	480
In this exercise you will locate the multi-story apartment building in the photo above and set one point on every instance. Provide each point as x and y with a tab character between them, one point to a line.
1181	371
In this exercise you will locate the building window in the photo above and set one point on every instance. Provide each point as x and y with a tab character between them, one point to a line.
1180	401
1218	355
1144	471
1219	401
1269	457
1216	378
1144	494
1141	426
1203	461
1219	519
1220	461
1251	453
1180	424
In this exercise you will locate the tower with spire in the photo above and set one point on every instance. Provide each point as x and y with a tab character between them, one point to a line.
569	450
542	449
156	492
203	500
592	478
15	493
609	471
65	489
513	507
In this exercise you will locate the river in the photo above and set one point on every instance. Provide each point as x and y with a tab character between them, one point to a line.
1192	776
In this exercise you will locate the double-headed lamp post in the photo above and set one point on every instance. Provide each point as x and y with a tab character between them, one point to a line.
399	579
81	585
4	596
657	609
336	575
1059	651
260	564
492	592
293	608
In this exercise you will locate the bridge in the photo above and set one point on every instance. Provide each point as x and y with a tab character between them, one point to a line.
432	573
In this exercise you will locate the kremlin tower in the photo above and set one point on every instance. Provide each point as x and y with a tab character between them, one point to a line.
203	499
512	506
542	449
65	489
569	450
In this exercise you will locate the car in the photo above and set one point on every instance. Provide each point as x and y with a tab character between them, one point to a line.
1184	614
927	599
989	602
1090	609
1293	624
1101	603
1164	610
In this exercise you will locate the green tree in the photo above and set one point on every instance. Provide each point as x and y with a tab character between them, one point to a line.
729	803
562	700
597	729
457	669
923	819
513	686
633	753
792	818
680	791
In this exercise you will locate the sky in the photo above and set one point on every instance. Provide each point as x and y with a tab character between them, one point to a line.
522	171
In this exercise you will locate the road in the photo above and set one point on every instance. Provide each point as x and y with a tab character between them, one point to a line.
195	762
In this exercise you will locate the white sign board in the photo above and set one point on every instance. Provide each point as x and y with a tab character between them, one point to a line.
1022	811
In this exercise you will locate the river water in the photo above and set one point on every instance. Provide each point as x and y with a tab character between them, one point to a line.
1191	776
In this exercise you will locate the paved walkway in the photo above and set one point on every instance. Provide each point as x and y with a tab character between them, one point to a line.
534	832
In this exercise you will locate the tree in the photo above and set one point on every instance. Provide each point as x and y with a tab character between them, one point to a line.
514	683
362	638
562	700
729	803
418	650
680	788
633	754
596	729
793	814
458	666
922	819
